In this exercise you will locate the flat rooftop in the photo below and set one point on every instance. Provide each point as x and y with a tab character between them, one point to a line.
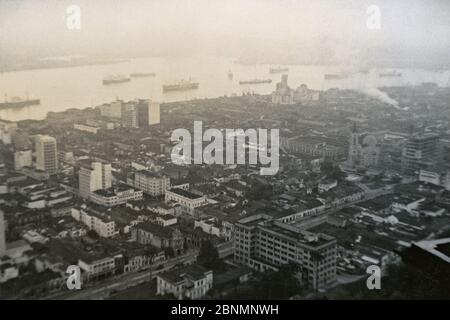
113	191
151	174
267	224
304	237
185	193
254	220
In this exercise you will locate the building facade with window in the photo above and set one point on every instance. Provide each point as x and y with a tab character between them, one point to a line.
265	244
191	282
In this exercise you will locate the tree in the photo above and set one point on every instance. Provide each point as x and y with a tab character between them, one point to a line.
281	284
401	282
260	191
332	171
209	256
92	234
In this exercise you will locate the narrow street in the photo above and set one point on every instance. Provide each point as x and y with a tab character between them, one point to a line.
103	289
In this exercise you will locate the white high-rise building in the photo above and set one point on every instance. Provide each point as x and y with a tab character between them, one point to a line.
153	113
148	112
133	114
46	154
420	151
2	235
96	177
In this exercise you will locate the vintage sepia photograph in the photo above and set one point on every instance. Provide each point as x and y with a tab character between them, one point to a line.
222	151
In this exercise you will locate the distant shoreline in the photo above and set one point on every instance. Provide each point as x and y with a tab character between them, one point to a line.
86	61
58	64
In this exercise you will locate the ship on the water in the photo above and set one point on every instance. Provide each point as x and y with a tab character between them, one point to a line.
116	79
390	74
256	81
336	76
17	102
230	75
142	74
180	86
278	70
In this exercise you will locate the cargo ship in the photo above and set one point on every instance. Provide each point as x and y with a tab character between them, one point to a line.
390	74
116	79
17	102
278	70
256	81
335	76
180	86
142	74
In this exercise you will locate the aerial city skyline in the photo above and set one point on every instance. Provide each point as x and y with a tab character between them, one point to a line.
198	150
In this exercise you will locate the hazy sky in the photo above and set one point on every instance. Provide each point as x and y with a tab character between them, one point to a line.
411	30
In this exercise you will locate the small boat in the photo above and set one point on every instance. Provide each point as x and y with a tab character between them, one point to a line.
116	79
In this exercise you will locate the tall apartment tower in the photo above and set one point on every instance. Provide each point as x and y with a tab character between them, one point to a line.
353	148
2	235
154	113
148	113
420	151
129	115
94	177
46	154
